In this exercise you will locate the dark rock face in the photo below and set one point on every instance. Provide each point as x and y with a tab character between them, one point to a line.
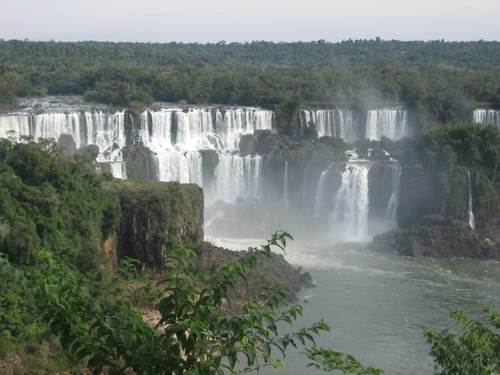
420	195
433	216
141	163
247	144
156	216
210	160
437	237
67	144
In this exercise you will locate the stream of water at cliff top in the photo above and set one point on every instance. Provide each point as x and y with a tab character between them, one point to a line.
379	304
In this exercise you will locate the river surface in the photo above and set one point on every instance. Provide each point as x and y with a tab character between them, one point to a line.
379	304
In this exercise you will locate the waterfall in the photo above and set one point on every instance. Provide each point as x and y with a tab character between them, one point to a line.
204	129
472	221
393	202
320	194
330	123
285	184
388	122
486	117
175	135
233	123
118	170
106	130
15	126
350	213
236	177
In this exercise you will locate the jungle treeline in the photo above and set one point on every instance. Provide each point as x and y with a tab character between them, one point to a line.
444	80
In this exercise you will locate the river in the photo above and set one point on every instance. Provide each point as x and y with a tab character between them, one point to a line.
379	304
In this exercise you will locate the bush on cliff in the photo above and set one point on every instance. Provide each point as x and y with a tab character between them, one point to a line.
52	201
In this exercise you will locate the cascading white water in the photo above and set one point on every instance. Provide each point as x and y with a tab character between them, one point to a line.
351	203
487	117
233	123
173	163
236	177
472	221
198	130
285	184
175	135
320	194
13	127
388	122
105	130
330	123
390	215
118	170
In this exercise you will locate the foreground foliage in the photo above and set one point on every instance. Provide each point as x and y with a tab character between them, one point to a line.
476	351
195	335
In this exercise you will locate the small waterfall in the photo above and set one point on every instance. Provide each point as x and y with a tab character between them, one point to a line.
320	194
486	117
236	177
351	203
388	122
119	170
15	126
330	123
394	173
106	130
472	221
285	184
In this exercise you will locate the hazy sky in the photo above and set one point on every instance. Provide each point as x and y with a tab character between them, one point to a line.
234	20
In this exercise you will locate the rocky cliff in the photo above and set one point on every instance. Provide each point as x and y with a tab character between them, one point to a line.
156	216
434	216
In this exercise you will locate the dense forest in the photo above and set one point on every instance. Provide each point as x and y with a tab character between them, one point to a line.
443	80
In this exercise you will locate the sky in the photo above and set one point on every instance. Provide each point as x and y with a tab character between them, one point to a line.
235	20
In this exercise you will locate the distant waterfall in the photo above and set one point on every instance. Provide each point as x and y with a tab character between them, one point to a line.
322	194
106	130
393	202
487	117
237	177
178	135
330	123
472	220
388	122
350	213
175	136
285	184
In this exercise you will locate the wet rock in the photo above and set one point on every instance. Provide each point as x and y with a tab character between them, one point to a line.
454	239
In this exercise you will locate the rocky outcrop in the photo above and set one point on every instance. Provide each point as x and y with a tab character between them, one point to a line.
269	271
156	216
141	163
433	215
437	237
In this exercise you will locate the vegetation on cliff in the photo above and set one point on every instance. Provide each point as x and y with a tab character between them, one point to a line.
52	201
155	216
434	207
